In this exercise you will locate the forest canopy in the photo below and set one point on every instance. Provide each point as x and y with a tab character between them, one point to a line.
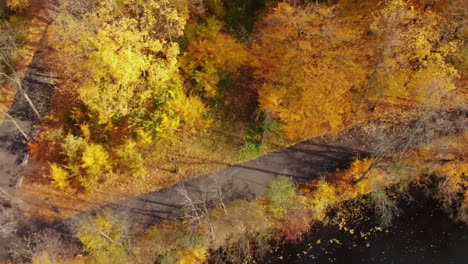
146	94
141	73
149	93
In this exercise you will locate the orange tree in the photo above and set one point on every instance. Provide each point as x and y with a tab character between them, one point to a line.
316	64
305	69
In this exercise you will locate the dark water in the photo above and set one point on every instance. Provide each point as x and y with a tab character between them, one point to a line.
421	234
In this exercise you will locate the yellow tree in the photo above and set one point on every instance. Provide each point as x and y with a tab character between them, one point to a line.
104	238
129	64
211	56
414	53
17	4
124	83
306	68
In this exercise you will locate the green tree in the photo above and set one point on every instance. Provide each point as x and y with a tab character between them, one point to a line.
280	195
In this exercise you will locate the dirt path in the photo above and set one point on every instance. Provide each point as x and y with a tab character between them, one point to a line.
39	87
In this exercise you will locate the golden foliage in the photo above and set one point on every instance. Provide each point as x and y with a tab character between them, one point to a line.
414	56
193	256
316	66
211	56
325	195
360	178
129	66
60	177
131	159
86	163
306	69
104	239
95	162
17	4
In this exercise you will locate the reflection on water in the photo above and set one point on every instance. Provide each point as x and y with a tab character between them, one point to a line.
421	234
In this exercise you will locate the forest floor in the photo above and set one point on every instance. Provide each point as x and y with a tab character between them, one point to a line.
13	147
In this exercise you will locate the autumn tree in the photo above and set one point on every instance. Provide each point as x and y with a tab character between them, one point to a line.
86	164
306	71
280	195
17	4
130	66
312	62
211	57
105	238
414	53
123	86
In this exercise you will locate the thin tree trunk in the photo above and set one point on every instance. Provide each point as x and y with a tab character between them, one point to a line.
16	125
17	81
26	96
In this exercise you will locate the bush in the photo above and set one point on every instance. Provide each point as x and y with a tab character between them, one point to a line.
132	160
178	243
84	161
95	162
280	195
60	177
73	147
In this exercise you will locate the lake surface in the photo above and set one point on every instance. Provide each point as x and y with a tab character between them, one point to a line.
421	234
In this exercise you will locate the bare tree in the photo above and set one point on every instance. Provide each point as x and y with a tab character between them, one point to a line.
385	208
17	81
25	135
197	202
8	222
49	243
393	143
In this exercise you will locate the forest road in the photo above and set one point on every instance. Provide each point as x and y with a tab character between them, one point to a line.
301	162
38	84
304	161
